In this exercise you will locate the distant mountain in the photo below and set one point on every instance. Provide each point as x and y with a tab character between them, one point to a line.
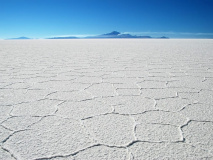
20	38
113	34
163	37
131	36
63	38
116	34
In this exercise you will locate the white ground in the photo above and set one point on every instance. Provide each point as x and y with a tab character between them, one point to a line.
106	99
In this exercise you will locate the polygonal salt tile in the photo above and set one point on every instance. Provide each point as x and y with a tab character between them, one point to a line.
51	137
18	77
4	155
83	109
36	108
133	105
132	74
4	114
120	80
10	96
200	74
199	112
128	92
111	129
60	78
160	117
102	90
60	86
157	133
88	79
204	96
126	86
37	79
114	80
27	72
158	93
71	96
101	153
33	95
160	74
18	86
4	133
159	79
172	104
189	82
20	123
152	84
114	75
191	96
186	90
146	150
178	74
94	73
199	134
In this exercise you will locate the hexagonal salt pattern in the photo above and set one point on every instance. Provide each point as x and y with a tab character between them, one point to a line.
103	127
102	152
157	133
148	150
106	99
37	108
50	137
199	134
20	123
199	112
83	109
102	89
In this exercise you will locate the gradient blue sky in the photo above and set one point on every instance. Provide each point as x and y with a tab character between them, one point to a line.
46	18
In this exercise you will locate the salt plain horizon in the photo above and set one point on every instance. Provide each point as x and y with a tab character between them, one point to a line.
106	99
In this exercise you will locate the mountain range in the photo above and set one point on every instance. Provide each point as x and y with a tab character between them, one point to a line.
116	34
113	34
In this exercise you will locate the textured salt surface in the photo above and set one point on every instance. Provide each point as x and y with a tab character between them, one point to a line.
106	99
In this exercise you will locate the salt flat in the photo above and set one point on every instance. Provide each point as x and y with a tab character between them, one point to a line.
106	99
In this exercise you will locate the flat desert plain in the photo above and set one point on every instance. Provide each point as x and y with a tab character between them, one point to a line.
114	99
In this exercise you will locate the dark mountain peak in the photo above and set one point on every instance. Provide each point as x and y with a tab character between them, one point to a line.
163	37
113	33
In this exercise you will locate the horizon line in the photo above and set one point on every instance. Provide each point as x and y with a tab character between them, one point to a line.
175	35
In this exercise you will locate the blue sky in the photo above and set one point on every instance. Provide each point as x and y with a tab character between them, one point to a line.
46	18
